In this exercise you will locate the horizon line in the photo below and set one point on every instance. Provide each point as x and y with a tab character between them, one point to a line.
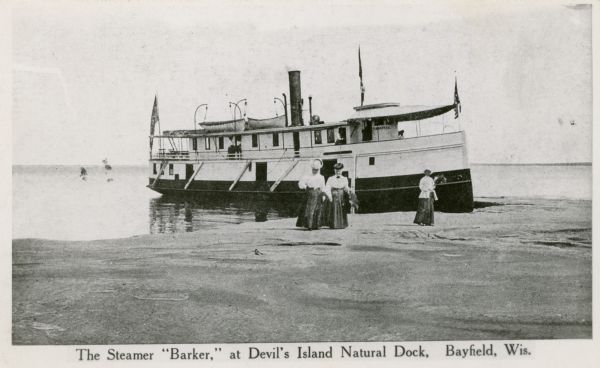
576	163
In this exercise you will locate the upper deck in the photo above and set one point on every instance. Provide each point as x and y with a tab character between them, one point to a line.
370	124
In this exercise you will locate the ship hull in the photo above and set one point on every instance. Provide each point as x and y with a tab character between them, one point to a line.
378	194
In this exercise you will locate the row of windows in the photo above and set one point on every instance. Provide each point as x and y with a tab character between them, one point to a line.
221	142
154	166
331	138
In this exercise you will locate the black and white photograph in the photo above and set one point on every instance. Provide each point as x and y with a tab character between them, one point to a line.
310	182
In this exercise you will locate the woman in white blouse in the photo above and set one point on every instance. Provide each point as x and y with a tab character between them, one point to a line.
336	216
424	214
309	213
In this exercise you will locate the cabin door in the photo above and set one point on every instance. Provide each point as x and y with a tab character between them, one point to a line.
297	143
327	169
342	133
189	171
367	132
261	171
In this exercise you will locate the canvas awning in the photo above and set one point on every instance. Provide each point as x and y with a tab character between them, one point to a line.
275	122
397	112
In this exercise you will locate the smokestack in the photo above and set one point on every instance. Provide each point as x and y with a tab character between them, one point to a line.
295	97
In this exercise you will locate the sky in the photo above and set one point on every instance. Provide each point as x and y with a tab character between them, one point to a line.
85	74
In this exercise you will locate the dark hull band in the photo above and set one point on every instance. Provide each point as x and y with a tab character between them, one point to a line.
383	194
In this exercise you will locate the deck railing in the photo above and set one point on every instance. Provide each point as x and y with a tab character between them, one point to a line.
279	153
174	155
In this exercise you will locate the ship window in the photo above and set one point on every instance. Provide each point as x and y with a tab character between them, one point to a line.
371	161
207	143
275	139
195	144
221	142
330	135
170	169
154	168
254	140
318	137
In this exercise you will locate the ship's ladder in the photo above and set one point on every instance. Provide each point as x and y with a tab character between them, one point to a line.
285	174
193	175
163	166
246	166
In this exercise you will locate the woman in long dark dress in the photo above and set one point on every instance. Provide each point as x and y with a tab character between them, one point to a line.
309	213
425	209
337	188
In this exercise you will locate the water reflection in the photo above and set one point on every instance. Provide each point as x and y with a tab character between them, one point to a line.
175	214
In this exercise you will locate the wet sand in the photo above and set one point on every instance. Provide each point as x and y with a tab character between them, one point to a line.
521	270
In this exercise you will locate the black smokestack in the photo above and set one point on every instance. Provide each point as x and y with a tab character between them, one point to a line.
295	97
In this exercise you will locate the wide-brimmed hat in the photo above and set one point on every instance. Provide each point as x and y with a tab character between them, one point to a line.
427	172
317	164
338	166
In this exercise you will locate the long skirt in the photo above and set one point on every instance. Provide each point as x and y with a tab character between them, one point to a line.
309	212
337	215
425	211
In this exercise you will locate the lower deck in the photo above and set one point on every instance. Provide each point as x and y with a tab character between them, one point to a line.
376	194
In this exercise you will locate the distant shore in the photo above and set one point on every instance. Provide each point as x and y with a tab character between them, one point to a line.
472	163
534	164
517	271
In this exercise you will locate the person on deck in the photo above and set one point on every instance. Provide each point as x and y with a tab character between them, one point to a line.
339	139
232	151
337	186
309	213
238	150
425	210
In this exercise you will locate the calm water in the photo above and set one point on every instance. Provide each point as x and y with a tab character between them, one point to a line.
532	181
54	203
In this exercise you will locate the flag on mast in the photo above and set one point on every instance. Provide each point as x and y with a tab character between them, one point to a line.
362	87
456	100
154	119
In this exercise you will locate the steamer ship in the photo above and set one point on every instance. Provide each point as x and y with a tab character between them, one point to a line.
247	158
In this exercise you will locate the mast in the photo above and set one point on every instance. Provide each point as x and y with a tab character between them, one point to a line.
362	87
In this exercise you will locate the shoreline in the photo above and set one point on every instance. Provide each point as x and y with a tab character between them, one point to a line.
381	279
481	203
